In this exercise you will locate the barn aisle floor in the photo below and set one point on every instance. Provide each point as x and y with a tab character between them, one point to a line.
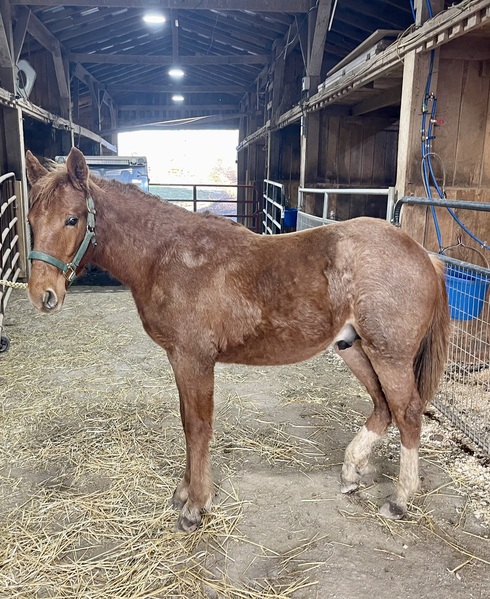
91	449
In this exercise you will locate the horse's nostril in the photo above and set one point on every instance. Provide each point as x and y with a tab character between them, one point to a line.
50	299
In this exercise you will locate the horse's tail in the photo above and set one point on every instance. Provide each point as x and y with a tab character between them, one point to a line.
432	354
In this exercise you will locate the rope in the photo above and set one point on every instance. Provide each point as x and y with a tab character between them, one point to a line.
5	283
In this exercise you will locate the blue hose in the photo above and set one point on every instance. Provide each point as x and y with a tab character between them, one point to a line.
428	174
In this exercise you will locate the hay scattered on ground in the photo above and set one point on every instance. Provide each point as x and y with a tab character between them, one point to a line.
91	449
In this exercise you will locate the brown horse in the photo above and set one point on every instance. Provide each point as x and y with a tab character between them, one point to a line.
208	290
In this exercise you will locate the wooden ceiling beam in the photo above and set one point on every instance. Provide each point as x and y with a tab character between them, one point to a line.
317	49
168	60
232	37
81	73
293	6
390	97
160	107
185	89
5	56
20	29
38	30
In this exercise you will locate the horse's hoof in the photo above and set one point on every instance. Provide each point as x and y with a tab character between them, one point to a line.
392	510
348	487
185	524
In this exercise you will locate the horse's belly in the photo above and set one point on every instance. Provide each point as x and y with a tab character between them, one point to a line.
272	352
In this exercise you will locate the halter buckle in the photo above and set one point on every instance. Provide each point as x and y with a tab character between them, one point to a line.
70	273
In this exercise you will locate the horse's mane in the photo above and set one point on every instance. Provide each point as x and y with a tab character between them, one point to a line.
57	175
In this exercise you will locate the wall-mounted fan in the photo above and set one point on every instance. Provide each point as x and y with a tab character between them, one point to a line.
25	78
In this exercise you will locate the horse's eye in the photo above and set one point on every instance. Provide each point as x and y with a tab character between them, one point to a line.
71	221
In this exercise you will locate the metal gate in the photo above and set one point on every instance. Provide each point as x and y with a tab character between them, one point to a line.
9	247
236	202
308	221
463	396
274	197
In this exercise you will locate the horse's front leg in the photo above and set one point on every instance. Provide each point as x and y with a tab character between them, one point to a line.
194	493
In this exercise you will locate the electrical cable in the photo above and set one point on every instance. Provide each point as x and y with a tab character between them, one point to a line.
427	169
413	10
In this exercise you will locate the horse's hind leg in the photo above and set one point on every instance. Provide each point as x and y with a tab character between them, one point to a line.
398	382
359	449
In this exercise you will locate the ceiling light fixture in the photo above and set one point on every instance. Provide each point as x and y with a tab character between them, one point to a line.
178	98
154	18
176	72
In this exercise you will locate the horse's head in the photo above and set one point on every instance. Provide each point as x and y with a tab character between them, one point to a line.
61	226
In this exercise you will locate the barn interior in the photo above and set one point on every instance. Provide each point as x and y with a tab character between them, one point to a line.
343	107
324	93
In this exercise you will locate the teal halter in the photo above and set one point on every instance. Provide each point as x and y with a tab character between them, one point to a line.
69	269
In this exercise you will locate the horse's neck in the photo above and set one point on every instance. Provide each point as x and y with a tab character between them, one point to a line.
131	234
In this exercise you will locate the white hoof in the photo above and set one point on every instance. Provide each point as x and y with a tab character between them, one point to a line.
392	510
348	487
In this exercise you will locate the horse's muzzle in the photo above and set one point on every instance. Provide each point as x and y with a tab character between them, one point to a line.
50	301
45	300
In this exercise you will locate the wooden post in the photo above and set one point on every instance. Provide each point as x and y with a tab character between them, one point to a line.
416	67
415	73
7	75
310	122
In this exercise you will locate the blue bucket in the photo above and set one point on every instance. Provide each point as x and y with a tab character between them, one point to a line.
290	216
466	293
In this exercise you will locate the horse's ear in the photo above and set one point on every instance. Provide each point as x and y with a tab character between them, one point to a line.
35	170
77	169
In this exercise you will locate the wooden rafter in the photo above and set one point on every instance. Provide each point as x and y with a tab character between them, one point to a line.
185	89
5	55
252	5
167	60
315	58
46	39
22	21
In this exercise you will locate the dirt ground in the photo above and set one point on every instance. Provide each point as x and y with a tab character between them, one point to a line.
91	448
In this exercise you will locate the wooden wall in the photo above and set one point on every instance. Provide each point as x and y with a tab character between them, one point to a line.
289	162
45	92
357	152
462	145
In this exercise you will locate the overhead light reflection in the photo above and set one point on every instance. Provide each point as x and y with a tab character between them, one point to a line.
176	72
154	18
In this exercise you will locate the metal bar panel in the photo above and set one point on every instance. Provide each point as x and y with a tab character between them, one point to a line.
413	200
9	240
8	230
463	393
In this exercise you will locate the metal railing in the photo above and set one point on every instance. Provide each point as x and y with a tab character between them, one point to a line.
274	208
416	201
216	198
463	394
9	247
307	221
